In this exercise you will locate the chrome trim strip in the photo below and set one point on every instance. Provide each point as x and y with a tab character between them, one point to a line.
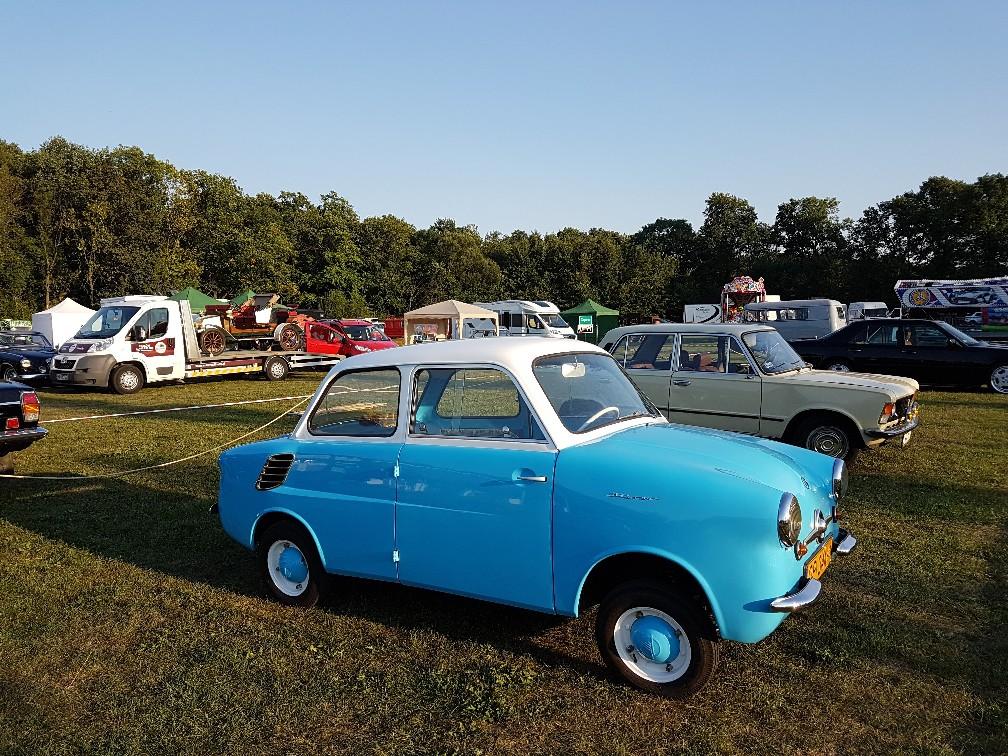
792	602
899	430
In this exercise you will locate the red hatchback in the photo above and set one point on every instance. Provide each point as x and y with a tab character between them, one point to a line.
346	337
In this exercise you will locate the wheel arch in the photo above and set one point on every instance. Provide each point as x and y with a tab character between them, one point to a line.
850	424
613	569
272	516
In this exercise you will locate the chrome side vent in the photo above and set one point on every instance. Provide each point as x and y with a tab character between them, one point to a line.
274	472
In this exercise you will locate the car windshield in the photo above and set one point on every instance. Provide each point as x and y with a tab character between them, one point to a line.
365	333
24	340
107	322
555	321
772	353
964	338
589	390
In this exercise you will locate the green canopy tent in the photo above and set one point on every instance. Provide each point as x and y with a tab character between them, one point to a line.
198	301
590	320
242	298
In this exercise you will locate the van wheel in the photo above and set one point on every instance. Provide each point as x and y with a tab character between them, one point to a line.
276	368
290	565
827	435
655	640
126	379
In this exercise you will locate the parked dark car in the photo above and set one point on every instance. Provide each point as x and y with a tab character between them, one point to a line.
25	356
19	415
930	351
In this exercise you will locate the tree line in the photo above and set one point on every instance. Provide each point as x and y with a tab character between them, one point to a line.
91	223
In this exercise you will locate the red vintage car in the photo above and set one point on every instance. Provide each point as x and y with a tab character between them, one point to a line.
345	337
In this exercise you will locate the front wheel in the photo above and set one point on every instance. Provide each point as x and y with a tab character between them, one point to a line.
826	436
126	379
655	640
290	565
999	379
213	340
8	373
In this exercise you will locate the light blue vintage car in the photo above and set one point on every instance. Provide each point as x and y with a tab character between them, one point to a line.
532	472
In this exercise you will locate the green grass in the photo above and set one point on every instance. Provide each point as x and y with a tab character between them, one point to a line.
130	624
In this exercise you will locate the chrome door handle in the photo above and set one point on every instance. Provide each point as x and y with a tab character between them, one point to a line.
682	382
532	478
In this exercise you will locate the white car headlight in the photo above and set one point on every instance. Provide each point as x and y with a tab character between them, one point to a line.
26	363
789	520
102	345
839	480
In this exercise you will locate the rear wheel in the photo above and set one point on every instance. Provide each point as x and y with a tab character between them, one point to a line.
276	368
290	565
290	338
213	340
827	435
999	379
126	379
840	366
656	640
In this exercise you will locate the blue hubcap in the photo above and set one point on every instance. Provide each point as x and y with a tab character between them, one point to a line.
292	565
655	639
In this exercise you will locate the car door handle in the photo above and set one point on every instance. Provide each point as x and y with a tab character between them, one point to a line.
682	382
521	475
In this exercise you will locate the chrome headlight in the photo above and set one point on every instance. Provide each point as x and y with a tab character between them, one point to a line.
839	479
788	520
26	363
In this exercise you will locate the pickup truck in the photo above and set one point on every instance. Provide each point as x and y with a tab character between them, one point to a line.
19	412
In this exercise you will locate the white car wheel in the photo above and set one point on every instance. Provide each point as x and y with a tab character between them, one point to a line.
999	379
288	568
652	644
840	367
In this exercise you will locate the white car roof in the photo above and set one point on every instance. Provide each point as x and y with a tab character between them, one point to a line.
509	351
731	329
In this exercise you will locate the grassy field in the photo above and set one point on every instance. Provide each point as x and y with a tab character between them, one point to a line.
130	624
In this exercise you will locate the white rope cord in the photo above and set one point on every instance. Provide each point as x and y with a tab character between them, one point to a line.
162	464
175	409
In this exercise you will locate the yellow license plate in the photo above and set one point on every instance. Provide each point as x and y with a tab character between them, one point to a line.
818	562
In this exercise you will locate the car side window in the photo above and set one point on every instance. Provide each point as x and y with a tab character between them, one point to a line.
922	335
645	351
882	335
158	323
362	403
738	364
471	403
858	334
703	353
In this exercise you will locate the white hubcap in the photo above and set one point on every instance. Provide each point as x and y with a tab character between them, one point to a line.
829	440
128	380
999	379
640	661
287	568
839	367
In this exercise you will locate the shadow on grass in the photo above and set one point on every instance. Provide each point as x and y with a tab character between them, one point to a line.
176	535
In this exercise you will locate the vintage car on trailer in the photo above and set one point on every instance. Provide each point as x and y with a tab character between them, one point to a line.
25	356
747	378
20	410
531	472
258	323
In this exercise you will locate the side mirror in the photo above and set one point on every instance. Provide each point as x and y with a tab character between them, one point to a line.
139	333
953	344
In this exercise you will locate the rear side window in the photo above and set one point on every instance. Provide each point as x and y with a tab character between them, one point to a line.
364	403
645	351
880	335
470	402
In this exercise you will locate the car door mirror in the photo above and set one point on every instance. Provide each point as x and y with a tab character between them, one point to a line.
953	344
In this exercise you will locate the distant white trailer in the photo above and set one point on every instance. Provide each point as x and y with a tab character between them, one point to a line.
702	313
862	310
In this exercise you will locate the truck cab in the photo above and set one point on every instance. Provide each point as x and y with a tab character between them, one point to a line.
519	317
129	342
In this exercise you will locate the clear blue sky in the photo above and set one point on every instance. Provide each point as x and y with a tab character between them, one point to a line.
525	115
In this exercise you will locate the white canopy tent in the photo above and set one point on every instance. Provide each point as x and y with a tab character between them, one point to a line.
450	319
61	321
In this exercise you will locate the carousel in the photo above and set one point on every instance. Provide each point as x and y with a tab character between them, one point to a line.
736	294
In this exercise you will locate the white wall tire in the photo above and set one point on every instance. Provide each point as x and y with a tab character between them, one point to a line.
289	564
999	379
655	640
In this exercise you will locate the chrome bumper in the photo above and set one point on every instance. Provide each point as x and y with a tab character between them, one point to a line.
808	590
899	430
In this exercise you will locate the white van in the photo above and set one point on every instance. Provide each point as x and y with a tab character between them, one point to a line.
797	319
519	317
135	340
862	310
